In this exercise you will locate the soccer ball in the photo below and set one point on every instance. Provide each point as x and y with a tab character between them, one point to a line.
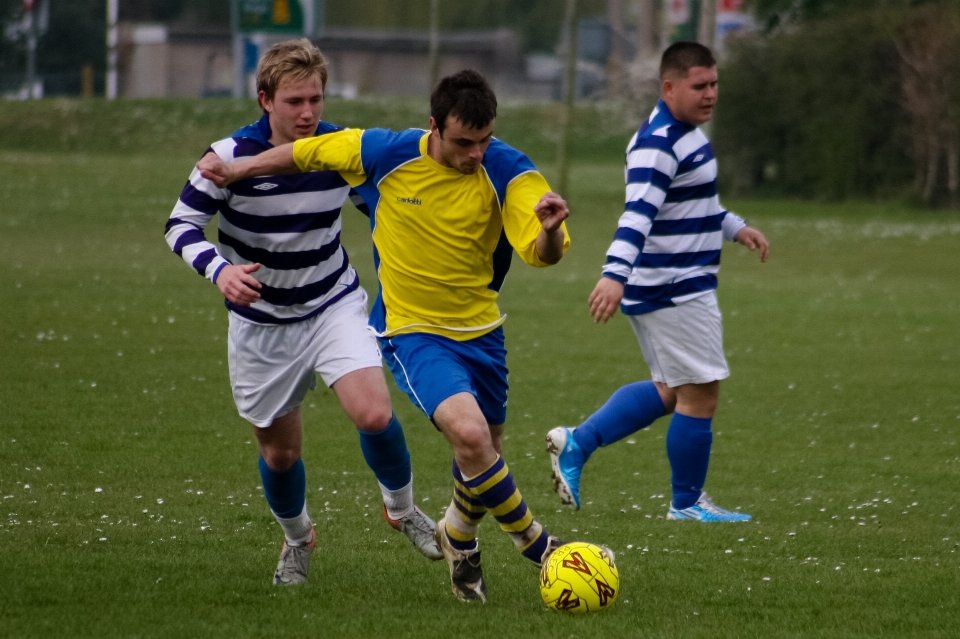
579	577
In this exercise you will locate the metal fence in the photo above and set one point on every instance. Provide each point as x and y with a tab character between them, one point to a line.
13	85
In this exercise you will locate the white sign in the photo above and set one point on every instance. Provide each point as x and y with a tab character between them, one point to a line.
678	11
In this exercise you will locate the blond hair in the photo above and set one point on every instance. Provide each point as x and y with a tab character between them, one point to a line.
292	60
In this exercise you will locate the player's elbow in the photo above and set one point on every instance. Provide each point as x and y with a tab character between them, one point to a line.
548	256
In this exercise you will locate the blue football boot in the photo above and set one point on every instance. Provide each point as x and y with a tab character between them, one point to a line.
705	510
567	459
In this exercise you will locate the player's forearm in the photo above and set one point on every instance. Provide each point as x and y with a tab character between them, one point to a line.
550	245
276	161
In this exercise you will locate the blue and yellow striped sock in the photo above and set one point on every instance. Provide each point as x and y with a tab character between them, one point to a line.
463	515
495	489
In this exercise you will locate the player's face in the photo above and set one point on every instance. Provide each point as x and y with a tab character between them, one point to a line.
461	146
295	109
693	98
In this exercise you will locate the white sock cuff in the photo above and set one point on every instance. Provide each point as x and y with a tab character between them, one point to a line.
399	502
298	530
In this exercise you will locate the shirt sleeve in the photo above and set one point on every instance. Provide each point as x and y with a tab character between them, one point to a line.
339	151
731	224
198	203
521	223
651	167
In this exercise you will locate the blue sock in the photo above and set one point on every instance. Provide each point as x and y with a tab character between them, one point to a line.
629	409
387	455
285	490
688	448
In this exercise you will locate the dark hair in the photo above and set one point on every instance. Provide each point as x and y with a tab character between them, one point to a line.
467	97
680	57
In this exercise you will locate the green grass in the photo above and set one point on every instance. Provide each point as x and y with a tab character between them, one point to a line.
130	497
186	127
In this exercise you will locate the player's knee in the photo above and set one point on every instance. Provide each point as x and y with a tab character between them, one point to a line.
474	441
280	458
668	396
373	418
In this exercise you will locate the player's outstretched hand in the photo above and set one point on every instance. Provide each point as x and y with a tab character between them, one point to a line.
212	168
551	210
605	299
237	285
754	240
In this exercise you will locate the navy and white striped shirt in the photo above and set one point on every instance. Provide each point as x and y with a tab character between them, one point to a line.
666	249
290	224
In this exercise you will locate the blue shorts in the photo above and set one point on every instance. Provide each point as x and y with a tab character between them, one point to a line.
431	368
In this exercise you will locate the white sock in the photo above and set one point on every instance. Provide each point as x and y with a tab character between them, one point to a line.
298	530
399	502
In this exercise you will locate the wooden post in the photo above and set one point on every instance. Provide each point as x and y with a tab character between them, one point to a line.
434	43
615	79
648	29
569	97
707	28
86	80
113	12
31	78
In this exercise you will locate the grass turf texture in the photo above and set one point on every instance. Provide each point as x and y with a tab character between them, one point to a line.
131	502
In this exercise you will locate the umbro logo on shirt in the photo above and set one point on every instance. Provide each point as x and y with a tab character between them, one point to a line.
266	186
699	157
409	200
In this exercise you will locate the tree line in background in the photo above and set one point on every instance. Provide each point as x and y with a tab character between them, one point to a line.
844	99
830	99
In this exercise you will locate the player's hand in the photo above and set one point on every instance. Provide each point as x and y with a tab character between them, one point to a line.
237	285
212	168
754	240
551	210
605	299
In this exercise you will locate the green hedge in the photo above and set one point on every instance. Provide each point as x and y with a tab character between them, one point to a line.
815	112
188	126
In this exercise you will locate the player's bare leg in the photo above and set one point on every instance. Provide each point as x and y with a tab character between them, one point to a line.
482	482
364	396
697	400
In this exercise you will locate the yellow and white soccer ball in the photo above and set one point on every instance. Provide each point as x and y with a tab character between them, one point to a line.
579	577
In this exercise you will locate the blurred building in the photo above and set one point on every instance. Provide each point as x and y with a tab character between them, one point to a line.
158	60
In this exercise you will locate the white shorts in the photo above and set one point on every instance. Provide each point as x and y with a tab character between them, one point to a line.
683	344
272	366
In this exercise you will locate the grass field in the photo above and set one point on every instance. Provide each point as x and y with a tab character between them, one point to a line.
131	504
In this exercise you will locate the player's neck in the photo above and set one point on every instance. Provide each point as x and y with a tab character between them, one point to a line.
433	150
277	137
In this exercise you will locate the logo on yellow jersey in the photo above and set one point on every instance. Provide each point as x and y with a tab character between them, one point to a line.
409	200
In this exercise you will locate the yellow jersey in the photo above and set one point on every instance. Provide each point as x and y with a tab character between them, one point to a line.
443	241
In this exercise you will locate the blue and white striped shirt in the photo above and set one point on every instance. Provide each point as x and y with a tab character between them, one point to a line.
666	249
290	224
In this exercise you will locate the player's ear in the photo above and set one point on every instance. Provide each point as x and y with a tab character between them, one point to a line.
433	127
266	103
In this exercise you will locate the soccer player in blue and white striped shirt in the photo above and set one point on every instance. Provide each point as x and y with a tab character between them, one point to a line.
296	306
661	271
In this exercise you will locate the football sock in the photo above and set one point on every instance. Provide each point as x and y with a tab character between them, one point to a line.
297	529
629	409
496	490
463	515
688	448
387	455
286	491
399	502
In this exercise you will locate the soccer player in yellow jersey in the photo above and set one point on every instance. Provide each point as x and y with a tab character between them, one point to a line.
448	207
